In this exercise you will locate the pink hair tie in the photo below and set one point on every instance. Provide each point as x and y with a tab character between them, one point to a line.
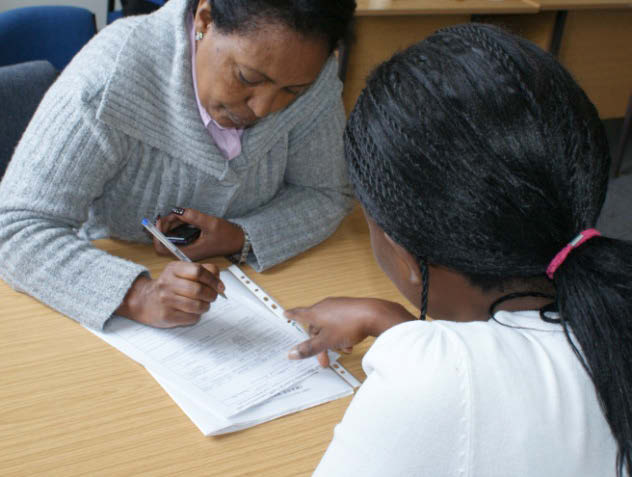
562	254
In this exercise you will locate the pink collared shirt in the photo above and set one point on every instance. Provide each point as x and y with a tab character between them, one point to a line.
228	140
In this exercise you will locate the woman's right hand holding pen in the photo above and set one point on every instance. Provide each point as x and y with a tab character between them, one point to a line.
178	297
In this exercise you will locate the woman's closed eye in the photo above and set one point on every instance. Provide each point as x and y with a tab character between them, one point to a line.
246	81
293	90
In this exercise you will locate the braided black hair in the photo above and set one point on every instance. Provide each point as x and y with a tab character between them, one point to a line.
475	150
329	19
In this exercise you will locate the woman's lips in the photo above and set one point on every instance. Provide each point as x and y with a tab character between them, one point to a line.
237	121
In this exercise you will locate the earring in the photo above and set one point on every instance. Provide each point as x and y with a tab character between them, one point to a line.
198	35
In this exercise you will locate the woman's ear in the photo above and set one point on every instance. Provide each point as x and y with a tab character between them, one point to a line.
406	263
202	17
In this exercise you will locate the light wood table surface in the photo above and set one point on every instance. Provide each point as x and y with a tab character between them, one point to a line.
72	405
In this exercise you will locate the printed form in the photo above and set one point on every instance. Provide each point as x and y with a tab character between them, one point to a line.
233	359
322	387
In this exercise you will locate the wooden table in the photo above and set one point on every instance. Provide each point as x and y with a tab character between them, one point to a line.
72	405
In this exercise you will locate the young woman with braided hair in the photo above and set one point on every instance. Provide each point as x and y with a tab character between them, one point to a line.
482	167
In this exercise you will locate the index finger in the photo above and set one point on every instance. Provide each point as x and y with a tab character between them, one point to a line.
308	348
206	274
215	281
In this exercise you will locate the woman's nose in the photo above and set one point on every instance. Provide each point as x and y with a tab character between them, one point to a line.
265	101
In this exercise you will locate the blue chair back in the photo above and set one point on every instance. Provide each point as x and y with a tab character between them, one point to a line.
53	33
114	15
22	87
138	7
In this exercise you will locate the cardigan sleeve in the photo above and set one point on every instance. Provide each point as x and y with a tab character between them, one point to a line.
62	164
411	416
315	195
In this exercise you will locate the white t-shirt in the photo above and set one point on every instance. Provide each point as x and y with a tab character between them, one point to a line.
473	399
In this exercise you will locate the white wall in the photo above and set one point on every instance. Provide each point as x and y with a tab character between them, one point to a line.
98	7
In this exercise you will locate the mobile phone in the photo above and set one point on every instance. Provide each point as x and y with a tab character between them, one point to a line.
183	234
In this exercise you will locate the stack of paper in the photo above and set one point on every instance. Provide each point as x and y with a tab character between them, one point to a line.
230	371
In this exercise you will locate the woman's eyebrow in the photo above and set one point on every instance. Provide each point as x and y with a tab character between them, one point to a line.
267	78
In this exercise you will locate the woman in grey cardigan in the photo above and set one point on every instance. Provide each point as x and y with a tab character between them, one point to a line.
226	111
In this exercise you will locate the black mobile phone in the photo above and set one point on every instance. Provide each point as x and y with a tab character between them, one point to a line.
183	234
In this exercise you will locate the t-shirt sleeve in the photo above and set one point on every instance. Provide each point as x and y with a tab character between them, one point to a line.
411	417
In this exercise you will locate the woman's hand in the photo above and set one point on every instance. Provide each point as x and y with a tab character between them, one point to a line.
340	323
217	236
178	297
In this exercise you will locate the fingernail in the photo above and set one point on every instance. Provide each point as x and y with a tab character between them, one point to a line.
293	354
221	287
178	210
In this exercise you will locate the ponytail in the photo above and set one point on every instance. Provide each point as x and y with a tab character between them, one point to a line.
594	299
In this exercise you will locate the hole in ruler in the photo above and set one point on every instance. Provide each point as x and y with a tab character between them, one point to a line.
289	321
273	306
265	298
242	277
336	366
342	371
256	289
247	281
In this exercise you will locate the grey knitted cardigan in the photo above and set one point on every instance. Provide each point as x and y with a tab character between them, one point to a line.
118	137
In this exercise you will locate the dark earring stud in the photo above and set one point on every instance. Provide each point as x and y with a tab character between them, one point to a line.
178	210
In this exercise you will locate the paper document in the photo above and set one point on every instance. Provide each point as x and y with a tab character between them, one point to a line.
233	358
320	388
232	366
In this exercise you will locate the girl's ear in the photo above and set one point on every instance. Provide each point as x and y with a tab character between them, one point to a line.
405	262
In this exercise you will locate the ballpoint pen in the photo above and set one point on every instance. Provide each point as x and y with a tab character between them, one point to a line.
151	228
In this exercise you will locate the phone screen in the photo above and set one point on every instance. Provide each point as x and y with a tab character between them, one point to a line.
183	234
